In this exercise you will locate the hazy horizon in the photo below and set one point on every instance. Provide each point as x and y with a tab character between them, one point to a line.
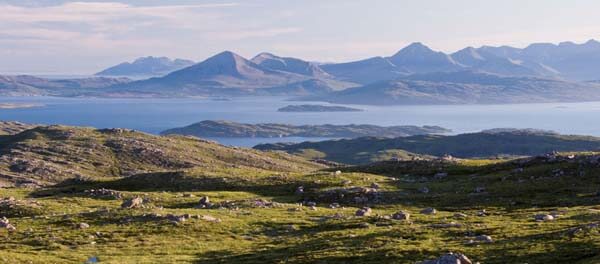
83	37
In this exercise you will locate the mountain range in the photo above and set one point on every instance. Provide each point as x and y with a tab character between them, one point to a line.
416	74
146	67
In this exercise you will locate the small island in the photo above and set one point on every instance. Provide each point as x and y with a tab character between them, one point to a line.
317	108
220	128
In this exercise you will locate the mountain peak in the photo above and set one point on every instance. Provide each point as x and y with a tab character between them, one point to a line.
417	57
264	56
415	47
592	42
146	66
287	64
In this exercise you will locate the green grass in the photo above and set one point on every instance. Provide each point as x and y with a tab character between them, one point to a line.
277	235
169	170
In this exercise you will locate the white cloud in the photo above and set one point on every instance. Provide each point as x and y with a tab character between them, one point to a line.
117	30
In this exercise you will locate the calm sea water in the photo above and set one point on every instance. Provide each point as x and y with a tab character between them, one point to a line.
155	115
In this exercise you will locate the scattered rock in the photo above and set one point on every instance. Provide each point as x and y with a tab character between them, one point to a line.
479	189
460	215
338	216
484	239
4	223
204	202
83	226
300	190
338	173
210	219
104	193
334	205
359	195
446	225
401	216
424	190
583	229
132	203
449	258
482	213
375	185
429	211
543	217
177	218
365	211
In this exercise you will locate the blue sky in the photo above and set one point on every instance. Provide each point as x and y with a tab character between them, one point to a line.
82	37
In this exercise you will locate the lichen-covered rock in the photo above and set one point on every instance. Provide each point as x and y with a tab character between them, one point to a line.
132	203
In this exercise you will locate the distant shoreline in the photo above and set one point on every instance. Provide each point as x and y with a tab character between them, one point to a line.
317	108
18	105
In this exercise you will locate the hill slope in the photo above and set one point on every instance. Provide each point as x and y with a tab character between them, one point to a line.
50	154
209	128
394	212
483	144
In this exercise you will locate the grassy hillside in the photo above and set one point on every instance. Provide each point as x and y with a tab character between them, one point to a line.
266	207
51	154
256	217
10	128
484	144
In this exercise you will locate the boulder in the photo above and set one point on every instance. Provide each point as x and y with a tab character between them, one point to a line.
543	217
365	211
484	239
401	216
5	223
429	211
132	203
460	216
204	202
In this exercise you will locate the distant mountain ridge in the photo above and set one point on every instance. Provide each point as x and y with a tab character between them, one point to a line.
228	73
465	87
415	74
27	85
146	66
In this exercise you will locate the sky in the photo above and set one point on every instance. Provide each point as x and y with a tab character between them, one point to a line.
82	37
